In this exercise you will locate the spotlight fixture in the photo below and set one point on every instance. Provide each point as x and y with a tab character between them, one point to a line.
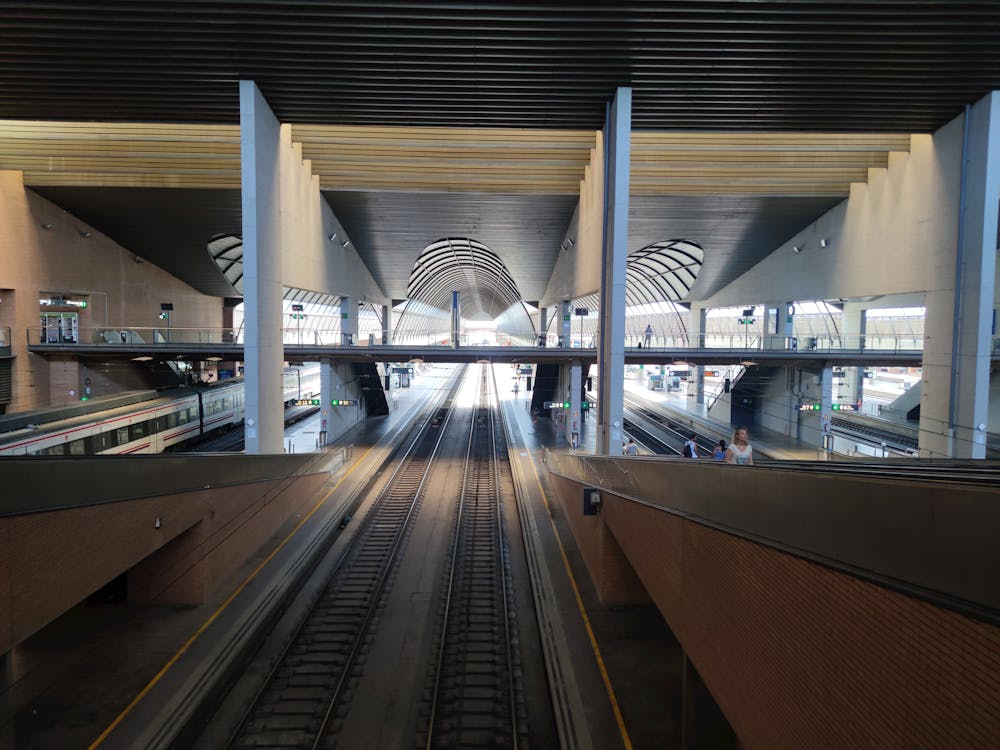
796	249
345	243
333	237
824	242
47	226
84	233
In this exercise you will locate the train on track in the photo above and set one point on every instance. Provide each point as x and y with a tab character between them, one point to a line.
152	426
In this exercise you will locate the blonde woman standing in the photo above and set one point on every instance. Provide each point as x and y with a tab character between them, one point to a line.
739	450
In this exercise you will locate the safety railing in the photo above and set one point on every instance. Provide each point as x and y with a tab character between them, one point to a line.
162	336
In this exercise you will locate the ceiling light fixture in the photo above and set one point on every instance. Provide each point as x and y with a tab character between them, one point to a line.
796	249
824	242
333	237
47	226
84	233
345	243
143	358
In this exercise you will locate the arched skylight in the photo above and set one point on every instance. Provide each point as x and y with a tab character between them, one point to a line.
464	265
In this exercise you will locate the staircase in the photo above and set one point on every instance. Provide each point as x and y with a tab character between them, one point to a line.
372	392
546	380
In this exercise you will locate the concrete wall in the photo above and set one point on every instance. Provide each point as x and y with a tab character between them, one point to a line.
895	234
309	258
120	292
577	271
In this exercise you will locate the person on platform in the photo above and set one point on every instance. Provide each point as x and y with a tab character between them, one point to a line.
739	450
648	334
631	449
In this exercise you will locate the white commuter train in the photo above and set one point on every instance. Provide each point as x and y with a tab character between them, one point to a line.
152	426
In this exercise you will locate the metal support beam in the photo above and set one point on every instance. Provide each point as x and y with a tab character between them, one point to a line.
611	355
565	323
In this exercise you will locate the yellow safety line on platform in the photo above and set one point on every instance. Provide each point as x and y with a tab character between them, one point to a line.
229	600
622	729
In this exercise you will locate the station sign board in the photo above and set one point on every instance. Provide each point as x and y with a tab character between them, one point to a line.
402	370
833	407
564	405
344	402
307	402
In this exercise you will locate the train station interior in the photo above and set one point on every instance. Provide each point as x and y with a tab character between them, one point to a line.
497	375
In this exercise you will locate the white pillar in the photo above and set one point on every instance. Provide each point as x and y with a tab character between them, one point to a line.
565	323
954	402
386	325
575	401
826	408
348	321
264	350
611	355
543	325
853	330
696	337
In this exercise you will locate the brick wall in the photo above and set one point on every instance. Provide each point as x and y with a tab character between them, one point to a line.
51	561
800	656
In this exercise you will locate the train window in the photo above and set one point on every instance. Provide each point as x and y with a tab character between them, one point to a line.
137	430
192	413
56	450
171	420
122	434
227	403
99	442
182	416
77	448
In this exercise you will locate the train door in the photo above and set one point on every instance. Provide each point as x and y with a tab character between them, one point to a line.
60	327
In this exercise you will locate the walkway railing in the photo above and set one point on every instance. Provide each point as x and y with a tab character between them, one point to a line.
162	337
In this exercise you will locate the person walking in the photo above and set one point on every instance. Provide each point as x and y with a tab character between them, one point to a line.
719	454
739	450
631	449
649	334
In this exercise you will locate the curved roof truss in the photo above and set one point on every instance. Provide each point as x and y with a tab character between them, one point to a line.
468	267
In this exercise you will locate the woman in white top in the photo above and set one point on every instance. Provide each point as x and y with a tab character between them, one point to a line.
739	450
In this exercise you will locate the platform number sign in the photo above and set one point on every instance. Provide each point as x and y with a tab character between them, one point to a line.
344	402
307	402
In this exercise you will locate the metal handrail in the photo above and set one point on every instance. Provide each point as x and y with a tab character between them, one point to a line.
163	336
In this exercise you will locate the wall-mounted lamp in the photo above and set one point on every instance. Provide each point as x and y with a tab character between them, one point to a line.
84	233
570	242
824	242
345	243
796	249
47	226
333	237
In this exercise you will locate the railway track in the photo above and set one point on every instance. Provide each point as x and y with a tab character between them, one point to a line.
301	696
476	700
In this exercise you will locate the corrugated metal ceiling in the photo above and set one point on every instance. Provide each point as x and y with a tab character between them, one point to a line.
891	65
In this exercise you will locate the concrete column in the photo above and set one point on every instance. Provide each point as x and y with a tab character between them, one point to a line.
696	336
386	325
611	355
575	401
954	402
853	330
325	395
348	321
264	350
543	325
456	319
565	323
826	408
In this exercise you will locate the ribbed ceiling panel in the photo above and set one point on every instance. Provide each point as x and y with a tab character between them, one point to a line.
891	65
